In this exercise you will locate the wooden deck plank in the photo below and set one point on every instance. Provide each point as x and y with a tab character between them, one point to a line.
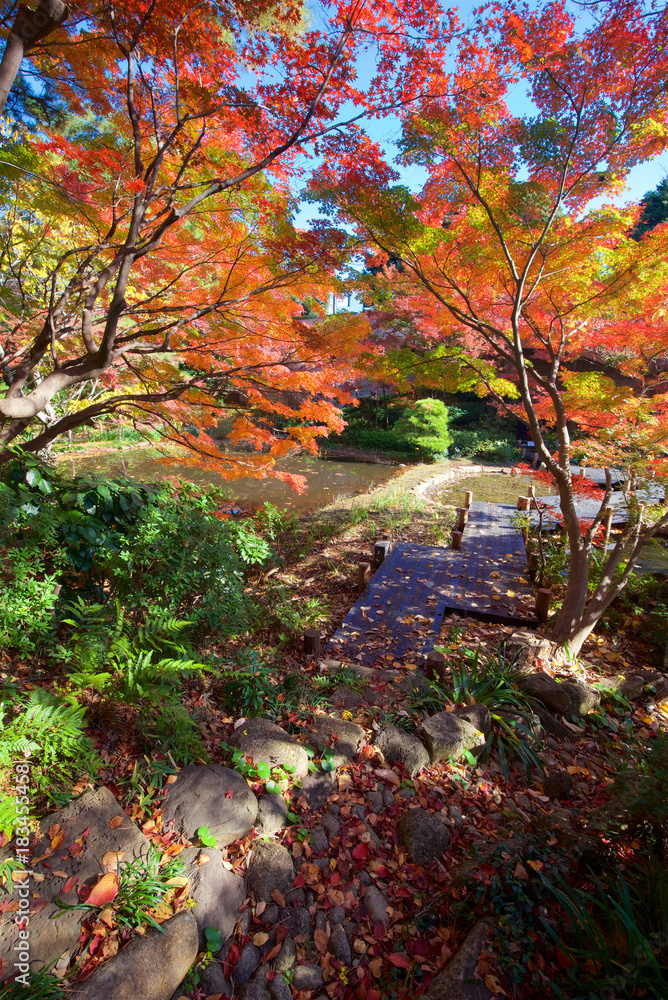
403	608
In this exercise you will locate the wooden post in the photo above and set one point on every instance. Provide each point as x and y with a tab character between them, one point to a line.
468	498
523	503
543	600
463	518
607	524
582	473
456	539
363	576
380	551
312	642
531	490
435	666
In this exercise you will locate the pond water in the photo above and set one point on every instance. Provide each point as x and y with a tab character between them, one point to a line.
325	480
497	488
493	488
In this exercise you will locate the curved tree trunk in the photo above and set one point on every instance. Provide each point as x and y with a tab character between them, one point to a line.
30	27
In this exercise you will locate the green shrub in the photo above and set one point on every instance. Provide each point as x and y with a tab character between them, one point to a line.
425	425
373	439
106	649
493	683
153	545
183	558
83	520
615	935
48	732
490	446
27	598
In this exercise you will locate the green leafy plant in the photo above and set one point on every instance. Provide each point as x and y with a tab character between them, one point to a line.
493	684
43	986
615	935
142	885
425	425
142	661
146	781
250	688
205	835
27	598
184	557
47	731
214	940
294	614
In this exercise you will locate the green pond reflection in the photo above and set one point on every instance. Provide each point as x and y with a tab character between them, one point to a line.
325	480
493	488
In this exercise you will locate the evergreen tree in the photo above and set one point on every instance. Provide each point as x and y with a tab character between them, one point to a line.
654	210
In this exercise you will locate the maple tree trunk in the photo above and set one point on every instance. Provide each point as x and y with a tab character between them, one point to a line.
30	27
575	599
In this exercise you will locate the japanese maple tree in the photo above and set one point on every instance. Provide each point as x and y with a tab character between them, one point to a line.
510	278
147	244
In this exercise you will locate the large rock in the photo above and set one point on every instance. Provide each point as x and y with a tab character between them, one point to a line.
475	715
270	868
151	965
307	977
339	945
525	648
317	788
423	834
218	893
272	813
376	905
93	812
211	979
628	686
583	699
454	982
212	796
400	747
246	964
447	736
558	785
264	741
552	725
545	689
345	738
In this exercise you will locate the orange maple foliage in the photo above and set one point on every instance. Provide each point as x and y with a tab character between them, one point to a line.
505	276
152	268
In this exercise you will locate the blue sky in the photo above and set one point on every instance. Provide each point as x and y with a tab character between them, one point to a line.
642	178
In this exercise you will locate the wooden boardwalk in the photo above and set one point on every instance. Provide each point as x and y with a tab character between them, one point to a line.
589	508
401	612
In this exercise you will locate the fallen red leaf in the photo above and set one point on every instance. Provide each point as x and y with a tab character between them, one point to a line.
361	851
71	882
271	954
400	959
104	891
379	930
229	794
